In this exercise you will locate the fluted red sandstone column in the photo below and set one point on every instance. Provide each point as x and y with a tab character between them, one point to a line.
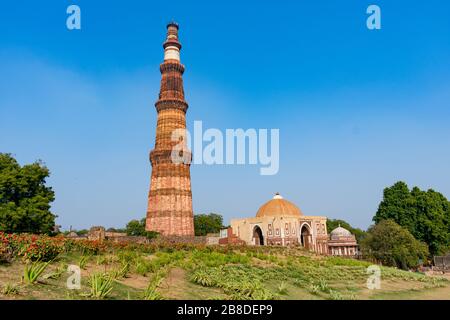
170	199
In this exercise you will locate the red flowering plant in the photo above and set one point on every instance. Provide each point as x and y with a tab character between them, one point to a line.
90	247
5	248
36	247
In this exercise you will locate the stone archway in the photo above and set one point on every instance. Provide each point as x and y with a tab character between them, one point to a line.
305	236
258	236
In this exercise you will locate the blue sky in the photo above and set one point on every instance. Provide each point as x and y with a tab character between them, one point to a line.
357	110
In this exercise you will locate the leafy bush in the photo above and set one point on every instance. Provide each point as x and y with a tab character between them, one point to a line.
5	249
34	247
394	245
90	247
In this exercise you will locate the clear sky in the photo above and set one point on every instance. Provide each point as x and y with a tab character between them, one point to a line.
357	109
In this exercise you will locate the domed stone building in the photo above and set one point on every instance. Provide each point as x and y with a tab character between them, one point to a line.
342	243
279	222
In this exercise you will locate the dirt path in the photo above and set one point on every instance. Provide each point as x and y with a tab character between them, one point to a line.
423	294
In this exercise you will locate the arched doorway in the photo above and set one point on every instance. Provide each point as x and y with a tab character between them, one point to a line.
258	236
305	236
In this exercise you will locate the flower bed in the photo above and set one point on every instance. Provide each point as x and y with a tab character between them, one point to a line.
89	247
32	247
5	249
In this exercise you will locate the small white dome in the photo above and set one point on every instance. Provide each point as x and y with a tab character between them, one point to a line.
340	232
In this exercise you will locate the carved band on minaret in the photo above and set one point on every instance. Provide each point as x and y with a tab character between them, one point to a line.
170	198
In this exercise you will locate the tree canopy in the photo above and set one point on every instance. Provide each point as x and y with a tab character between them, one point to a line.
24	197
393	245
137	228
207	223
426	214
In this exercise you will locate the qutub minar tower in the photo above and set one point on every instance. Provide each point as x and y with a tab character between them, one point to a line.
170	199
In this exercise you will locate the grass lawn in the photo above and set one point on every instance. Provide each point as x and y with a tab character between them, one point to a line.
199	272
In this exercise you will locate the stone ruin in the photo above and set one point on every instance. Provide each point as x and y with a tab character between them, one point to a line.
442	263
99	233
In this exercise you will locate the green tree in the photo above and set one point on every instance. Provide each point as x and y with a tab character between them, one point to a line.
393	245
334	223
207	223
137	228
82	232
426	214
398	205
24	197
116	230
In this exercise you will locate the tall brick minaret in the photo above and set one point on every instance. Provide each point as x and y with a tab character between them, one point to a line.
170	199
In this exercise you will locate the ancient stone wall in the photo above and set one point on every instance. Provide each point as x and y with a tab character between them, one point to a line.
442	263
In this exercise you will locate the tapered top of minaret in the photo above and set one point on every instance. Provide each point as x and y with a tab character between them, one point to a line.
172	46
172	24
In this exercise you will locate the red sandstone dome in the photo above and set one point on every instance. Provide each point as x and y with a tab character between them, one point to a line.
278	207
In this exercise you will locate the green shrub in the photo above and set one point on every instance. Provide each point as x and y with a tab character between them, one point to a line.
101	285
323	285
33	271
203	278
121	272
142	267
10	289
151	292
57	273
282	288
314	289
334	295
83	261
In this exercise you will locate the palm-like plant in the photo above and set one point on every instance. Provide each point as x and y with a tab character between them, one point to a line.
282	288
33	271
83	261
57	273
101	285
152	294
121	272
10	289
